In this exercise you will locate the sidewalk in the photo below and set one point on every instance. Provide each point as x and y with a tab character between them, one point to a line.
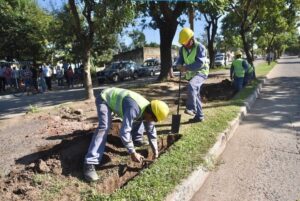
262	160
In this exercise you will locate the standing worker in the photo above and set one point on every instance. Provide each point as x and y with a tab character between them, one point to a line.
129	106
249	75
192	58
237	71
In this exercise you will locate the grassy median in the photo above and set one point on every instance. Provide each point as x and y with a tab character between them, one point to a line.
156	182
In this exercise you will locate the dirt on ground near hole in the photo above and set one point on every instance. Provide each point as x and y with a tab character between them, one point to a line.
49	166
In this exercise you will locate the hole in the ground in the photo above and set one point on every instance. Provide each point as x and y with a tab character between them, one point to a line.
115	170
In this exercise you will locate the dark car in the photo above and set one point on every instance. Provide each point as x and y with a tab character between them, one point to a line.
149	67
117	71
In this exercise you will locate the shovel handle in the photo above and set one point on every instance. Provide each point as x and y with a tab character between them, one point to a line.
179	90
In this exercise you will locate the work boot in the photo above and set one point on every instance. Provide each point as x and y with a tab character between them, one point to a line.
140	143
90	173
189	112
196	120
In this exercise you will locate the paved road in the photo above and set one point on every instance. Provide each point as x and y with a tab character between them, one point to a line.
11	106
262	161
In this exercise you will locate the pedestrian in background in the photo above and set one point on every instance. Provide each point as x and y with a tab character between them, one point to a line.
237	71
15	77
60	76
47	74
34	71
70	77
42	86
192	60
7	75
27	77
2	78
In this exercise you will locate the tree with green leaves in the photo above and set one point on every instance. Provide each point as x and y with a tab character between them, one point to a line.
97	20
241	20
23	32
212	11
138	39
259	21
165	17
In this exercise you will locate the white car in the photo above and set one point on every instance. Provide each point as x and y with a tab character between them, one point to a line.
220	60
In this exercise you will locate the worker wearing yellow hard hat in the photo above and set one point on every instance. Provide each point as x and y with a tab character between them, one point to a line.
193	60
137	113
238	70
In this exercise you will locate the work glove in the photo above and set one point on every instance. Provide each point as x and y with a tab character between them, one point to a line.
182	68
136	157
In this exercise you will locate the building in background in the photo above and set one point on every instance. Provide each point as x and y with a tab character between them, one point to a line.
139	55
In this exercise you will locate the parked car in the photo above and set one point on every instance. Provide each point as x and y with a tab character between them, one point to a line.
149	67
220	60
117	71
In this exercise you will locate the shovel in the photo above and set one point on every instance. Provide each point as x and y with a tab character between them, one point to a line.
176	117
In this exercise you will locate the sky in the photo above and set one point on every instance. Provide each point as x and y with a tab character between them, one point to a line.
150	34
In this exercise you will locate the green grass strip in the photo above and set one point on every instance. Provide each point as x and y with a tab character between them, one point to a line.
156	182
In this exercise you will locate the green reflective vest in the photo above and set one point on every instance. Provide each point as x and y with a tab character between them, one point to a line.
238	68
250	69
189	59
114	98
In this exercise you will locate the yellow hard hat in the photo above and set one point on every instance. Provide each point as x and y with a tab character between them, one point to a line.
185	35
238	53
160	109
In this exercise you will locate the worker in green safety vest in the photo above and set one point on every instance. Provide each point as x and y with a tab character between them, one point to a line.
249	75
193	60
237	71
131	107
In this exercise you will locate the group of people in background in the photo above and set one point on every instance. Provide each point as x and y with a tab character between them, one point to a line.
38	78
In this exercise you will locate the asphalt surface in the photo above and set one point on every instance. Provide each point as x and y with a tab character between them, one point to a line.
262	160
11	106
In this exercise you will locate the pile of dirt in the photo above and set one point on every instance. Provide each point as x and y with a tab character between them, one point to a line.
217	91
65	160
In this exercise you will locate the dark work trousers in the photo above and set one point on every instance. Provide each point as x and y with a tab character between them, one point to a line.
2	84
48	83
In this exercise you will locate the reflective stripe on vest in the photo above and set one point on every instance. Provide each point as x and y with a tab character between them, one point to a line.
114	98
250	69
238	68
190	58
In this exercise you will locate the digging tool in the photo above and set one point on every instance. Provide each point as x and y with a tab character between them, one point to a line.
176	117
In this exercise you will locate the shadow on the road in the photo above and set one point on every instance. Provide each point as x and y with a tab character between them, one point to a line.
278	105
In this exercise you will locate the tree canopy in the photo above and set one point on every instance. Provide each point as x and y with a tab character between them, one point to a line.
24	30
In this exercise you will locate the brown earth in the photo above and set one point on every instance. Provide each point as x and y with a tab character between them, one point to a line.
43	152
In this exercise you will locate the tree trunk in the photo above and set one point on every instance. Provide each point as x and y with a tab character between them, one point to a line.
211	31
87	80
166	33
246	47
191	18
211	53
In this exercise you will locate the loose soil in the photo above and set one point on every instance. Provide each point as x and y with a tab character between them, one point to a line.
42	153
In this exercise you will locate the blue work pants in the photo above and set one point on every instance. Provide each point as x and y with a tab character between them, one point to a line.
97	144
193	99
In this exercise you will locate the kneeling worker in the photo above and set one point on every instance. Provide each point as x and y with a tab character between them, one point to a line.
130	106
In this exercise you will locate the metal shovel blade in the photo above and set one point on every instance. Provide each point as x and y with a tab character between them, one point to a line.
175	123
176	117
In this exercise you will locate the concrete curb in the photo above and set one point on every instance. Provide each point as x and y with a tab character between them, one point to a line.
190	185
